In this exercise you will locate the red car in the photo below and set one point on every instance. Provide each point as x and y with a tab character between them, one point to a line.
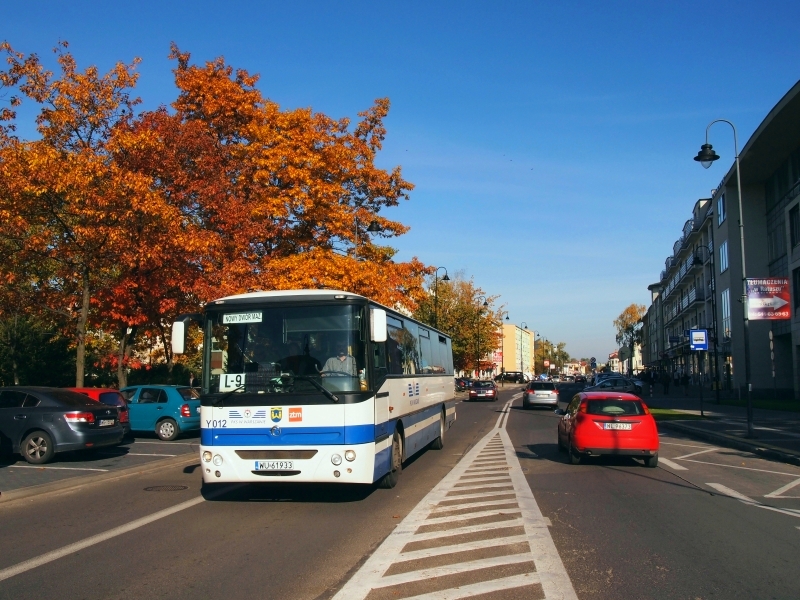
483	390
599	423
112	398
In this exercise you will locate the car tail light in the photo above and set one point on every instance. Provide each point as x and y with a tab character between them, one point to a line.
79	417
124	417
555	391
186	411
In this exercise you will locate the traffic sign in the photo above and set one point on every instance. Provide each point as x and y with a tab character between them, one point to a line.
698	339
593	360
547	363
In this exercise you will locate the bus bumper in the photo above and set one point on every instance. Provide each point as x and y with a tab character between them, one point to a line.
288	464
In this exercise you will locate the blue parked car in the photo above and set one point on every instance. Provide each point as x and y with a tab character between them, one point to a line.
169	410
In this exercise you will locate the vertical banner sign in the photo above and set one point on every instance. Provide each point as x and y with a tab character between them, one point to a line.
768	299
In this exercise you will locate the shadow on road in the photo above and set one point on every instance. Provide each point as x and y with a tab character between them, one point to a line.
287	492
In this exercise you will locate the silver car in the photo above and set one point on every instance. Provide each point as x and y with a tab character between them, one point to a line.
540	393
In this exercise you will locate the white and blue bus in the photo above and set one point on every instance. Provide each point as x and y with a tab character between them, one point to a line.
317	386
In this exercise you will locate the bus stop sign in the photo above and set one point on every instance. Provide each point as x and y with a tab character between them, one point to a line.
698	339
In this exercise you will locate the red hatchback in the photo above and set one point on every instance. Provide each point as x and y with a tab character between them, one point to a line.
112	398
599	423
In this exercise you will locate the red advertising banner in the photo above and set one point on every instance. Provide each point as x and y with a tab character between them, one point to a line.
768	299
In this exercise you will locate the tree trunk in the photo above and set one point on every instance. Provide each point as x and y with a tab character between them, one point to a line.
123	354
80	333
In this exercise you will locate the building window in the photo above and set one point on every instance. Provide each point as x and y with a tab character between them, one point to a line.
796	287
721	209
723	256
726	313
794	224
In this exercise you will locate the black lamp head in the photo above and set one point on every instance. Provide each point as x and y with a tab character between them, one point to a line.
445	278
373	227
706	155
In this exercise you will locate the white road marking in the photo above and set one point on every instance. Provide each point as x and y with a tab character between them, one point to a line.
670	464
685	445
56	468
747	500
137	442
526	524
95	539
703	462
781	490
133	454
695	453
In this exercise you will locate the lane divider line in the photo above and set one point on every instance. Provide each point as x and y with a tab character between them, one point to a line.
780	491
670	464
726	491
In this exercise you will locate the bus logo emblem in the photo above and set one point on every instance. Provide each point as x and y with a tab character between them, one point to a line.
276	414
296	414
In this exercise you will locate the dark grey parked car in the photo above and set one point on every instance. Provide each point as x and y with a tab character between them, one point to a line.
615	384
38	422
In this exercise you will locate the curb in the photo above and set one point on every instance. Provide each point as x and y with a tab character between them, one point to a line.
730	441
84	480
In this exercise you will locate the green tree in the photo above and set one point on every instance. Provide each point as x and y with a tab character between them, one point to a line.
629	328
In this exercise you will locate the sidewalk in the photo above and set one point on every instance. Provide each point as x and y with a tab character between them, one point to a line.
776	433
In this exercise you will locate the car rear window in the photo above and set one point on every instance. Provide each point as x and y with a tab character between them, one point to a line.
483	384
188	393
67	398
112	399
542	385
613	408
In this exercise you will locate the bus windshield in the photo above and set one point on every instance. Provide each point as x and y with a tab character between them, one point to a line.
286	350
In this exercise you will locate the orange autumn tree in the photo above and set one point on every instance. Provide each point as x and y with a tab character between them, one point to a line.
283	196
64	199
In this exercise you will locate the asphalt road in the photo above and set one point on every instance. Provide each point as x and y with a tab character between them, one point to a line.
620	530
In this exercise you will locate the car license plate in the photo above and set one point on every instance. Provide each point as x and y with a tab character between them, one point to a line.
106	422
624	426
274	465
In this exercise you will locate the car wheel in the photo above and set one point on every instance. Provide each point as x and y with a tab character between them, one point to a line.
438	443
37	448
574	456
167	430
389	480
651	461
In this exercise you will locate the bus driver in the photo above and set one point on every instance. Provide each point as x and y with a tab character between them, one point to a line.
342	363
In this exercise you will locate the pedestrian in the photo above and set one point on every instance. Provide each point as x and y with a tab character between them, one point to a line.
685	383
193	381
676	377
665	382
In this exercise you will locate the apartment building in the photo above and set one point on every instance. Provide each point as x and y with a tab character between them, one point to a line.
701	287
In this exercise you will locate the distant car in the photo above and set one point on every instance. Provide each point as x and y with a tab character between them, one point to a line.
511	376
462	384
483	390
112	398
615	384
540	393
598	423
40	422
580	379
168	410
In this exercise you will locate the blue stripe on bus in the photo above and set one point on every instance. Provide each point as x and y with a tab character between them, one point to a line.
289	436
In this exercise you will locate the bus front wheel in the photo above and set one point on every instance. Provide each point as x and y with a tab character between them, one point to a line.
438	443
389	480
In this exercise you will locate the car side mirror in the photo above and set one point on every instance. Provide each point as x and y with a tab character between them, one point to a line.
560	412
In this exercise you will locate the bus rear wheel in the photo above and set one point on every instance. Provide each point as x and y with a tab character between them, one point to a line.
391	478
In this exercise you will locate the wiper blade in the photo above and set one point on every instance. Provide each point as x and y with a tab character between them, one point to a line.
220	402
317	385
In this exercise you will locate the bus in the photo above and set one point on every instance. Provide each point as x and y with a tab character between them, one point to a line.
317	386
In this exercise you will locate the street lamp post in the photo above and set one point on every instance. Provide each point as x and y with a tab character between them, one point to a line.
705	157
478	331
714	315
436	294
536	334
373	227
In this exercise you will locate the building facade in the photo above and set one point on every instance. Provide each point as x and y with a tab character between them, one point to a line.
701	286
516	349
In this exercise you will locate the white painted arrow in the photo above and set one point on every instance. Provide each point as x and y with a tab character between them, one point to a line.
775	302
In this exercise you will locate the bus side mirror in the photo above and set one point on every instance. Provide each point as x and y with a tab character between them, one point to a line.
179	337
377	320
179	329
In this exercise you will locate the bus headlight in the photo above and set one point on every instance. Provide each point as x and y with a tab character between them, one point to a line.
206	456
336	459
217	459
350	455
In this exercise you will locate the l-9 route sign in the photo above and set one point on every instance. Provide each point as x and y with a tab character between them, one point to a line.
768	299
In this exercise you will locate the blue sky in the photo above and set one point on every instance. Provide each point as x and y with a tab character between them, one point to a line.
550	143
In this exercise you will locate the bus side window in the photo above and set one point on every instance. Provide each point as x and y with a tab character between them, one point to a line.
379	363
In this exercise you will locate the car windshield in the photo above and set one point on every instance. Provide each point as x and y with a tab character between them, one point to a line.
482	384
286	350
542	385
615	407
